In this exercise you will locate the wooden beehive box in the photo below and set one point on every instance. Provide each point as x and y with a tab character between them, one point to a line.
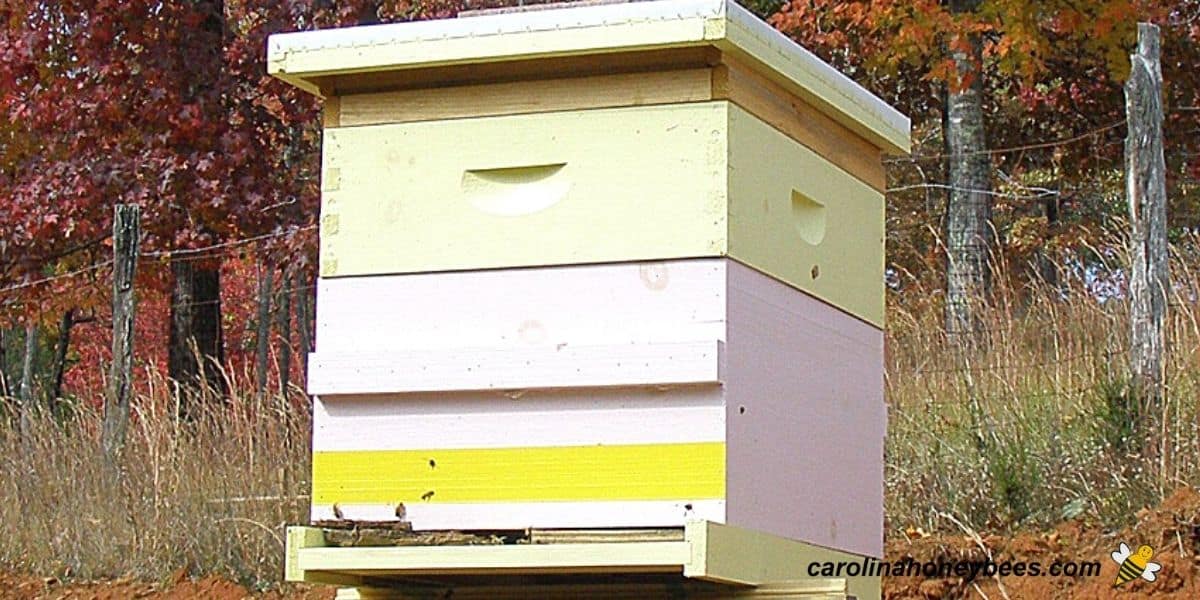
603	266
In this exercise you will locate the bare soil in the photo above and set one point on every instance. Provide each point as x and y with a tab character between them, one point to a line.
1172	529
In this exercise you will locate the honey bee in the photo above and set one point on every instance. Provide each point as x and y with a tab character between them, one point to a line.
1134	564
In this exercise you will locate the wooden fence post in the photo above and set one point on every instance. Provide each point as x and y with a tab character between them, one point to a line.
126	240
25	392
1146	191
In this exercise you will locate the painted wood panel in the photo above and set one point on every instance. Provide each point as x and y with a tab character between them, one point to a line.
611	416
527	190
806	417
522	515
800	417
426	563
565	366
731	554
522	97
521	474
729	80
437	426
798	218
304	59
704	551
299	57
669	301
584	65
799	120
412	198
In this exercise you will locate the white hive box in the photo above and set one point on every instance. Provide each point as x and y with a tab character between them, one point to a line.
606	266
625	395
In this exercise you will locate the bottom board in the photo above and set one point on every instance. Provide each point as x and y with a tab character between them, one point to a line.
703	557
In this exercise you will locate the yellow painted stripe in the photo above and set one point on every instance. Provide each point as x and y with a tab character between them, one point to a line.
692	471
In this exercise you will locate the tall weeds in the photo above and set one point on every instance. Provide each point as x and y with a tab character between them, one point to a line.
208	495
1034	422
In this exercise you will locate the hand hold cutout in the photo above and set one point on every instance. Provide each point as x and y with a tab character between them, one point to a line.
809	217
515	191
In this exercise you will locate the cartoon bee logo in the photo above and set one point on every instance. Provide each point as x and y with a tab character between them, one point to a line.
1134	564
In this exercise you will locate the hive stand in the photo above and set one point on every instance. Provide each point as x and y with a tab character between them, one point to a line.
702	560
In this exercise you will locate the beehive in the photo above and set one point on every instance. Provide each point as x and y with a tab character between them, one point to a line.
617	265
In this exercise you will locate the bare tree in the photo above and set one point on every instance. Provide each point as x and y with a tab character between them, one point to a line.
969	209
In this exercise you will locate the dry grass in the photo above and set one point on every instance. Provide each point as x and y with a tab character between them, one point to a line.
1030	426
211	495
1034	424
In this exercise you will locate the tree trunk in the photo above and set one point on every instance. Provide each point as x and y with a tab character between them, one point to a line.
263	328
284	327
1146	190
60	359
196	352
1047	265
126	241
969	212
25	393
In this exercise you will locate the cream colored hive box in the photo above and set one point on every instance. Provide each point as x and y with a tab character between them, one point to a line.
606	266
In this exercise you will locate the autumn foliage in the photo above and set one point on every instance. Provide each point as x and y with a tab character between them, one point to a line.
1053	105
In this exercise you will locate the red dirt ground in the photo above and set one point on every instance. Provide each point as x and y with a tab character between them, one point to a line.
1172	529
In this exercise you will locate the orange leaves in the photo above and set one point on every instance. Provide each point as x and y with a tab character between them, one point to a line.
1111	14
946	70
1001	49
1025	39
1067	20
917	36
